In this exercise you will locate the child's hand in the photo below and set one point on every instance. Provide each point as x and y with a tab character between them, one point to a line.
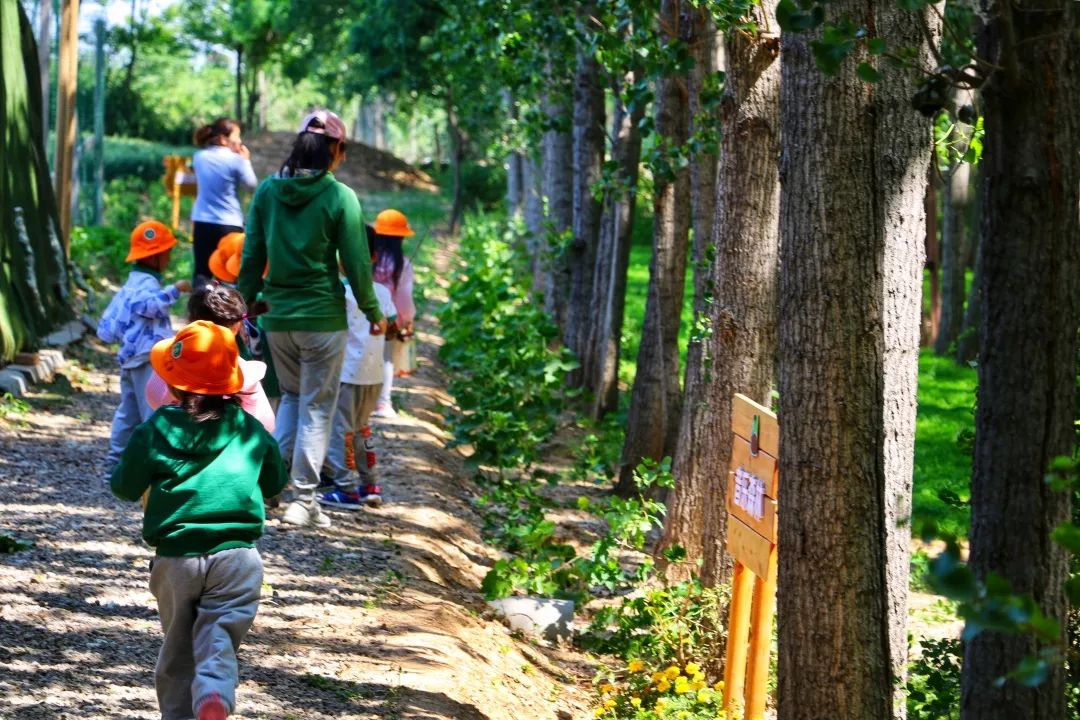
379	328
183	285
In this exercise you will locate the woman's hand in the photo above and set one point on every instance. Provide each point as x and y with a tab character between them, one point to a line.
242	151
183	286
379	328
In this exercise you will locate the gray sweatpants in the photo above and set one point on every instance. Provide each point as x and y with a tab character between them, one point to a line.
308	366
132	410
207	604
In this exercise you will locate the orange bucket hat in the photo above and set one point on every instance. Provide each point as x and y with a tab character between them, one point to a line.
148	239
392	222
225	260
201	359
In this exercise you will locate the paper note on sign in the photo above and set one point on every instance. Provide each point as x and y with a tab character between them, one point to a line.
750	493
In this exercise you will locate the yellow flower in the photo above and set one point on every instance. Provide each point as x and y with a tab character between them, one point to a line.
698	677
683	687
609	703
672	672
684	715
635	666
704	696
719	686
661	703
692	668
598	712
635	701
663	686
698	684
607	688
657	677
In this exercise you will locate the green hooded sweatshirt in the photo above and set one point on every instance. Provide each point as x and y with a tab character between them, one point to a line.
207	480
301	226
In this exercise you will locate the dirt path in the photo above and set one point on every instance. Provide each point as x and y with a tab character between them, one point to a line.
378	616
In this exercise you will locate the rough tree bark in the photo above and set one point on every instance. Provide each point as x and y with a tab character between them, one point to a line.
737	348
457	153
588	166
953	242
44	49
703	165
967	346
1027	360
852	227
612	260
653	425
533	203
559	192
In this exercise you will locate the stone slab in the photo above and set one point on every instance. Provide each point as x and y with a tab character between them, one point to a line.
13	382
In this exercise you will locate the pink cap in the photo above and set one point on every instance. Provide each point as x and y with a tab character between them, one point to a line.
332	125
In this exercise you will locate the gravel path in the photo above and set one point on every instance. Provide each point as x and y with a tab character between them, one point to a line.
378	616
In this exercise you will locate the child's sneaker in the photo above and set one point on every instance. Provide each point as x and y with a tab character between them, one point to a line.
213	709
384	410
342	499
371	495
303	514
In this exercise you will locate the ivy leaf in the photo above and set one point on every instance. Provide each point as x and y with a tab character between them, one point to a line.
868	72
876	46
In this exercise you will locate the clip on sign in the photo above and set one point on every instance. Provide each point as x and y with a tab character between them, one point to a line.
752	486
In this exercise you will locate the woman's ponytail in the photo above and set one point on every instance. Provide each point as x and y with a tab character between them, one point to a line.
310	151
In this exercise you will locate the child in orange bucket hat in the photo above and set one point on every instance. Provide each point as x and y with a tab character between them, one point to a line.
137	317
207	466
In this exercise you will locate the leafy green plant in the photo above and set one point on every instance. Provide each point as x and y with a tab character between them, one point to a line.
677	691
933	682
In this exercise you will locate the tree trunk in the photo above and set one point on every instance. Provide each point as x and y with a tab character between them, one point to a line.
559	193
457	152
852	229
1027	361
953	242
44	50
264	101
653	425
967	346
239	82
703	165
588	165
737	350
533	203
613	259
929	331
514	160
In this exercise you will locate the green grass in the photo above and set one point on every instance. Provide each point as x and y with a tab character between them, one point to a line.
942	464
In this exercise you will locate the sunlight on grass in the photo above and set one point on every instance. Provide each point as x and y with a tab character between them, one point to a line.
942	462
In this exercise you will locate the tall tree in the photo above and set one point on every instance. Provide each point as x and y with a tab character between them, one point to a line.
655	402
559	192
588	163
1030	246
733	348
601	360
853	174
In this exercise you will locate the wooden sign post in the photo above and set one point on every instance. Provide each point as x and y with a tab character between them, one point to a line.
752	486
179	182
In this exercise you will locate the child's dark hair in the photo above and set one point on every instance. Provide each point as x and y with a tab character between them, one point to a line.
222	127
310	151
390	252
221	305
204	407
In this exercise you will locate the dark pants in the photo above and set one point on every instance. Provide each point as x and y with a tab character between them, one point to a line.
204	240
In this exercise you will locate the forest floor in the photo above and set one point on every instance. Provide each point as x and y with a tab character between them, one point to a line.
378	616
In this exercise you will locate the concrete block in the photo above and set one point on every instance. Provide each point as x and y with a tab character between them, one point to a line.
54	359
35	374
14	382
536	616
66	334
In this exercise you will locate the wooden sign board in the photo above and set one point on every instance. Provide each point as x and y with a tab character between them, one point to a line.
753	486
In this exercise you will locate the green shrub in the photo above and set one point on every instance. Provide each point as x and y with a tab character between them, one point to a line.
933	683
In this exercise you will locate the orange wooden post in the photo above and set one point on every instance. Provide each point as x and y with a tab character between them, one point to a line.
757	673
742	586
752	491
176	201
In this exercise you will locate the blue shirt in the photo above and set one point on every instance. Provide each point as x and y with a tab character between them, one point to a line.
138	316
219	170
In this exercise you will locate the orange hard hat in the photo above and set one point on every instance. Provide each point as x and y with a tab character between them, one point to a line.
201	359
393	223
148	239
